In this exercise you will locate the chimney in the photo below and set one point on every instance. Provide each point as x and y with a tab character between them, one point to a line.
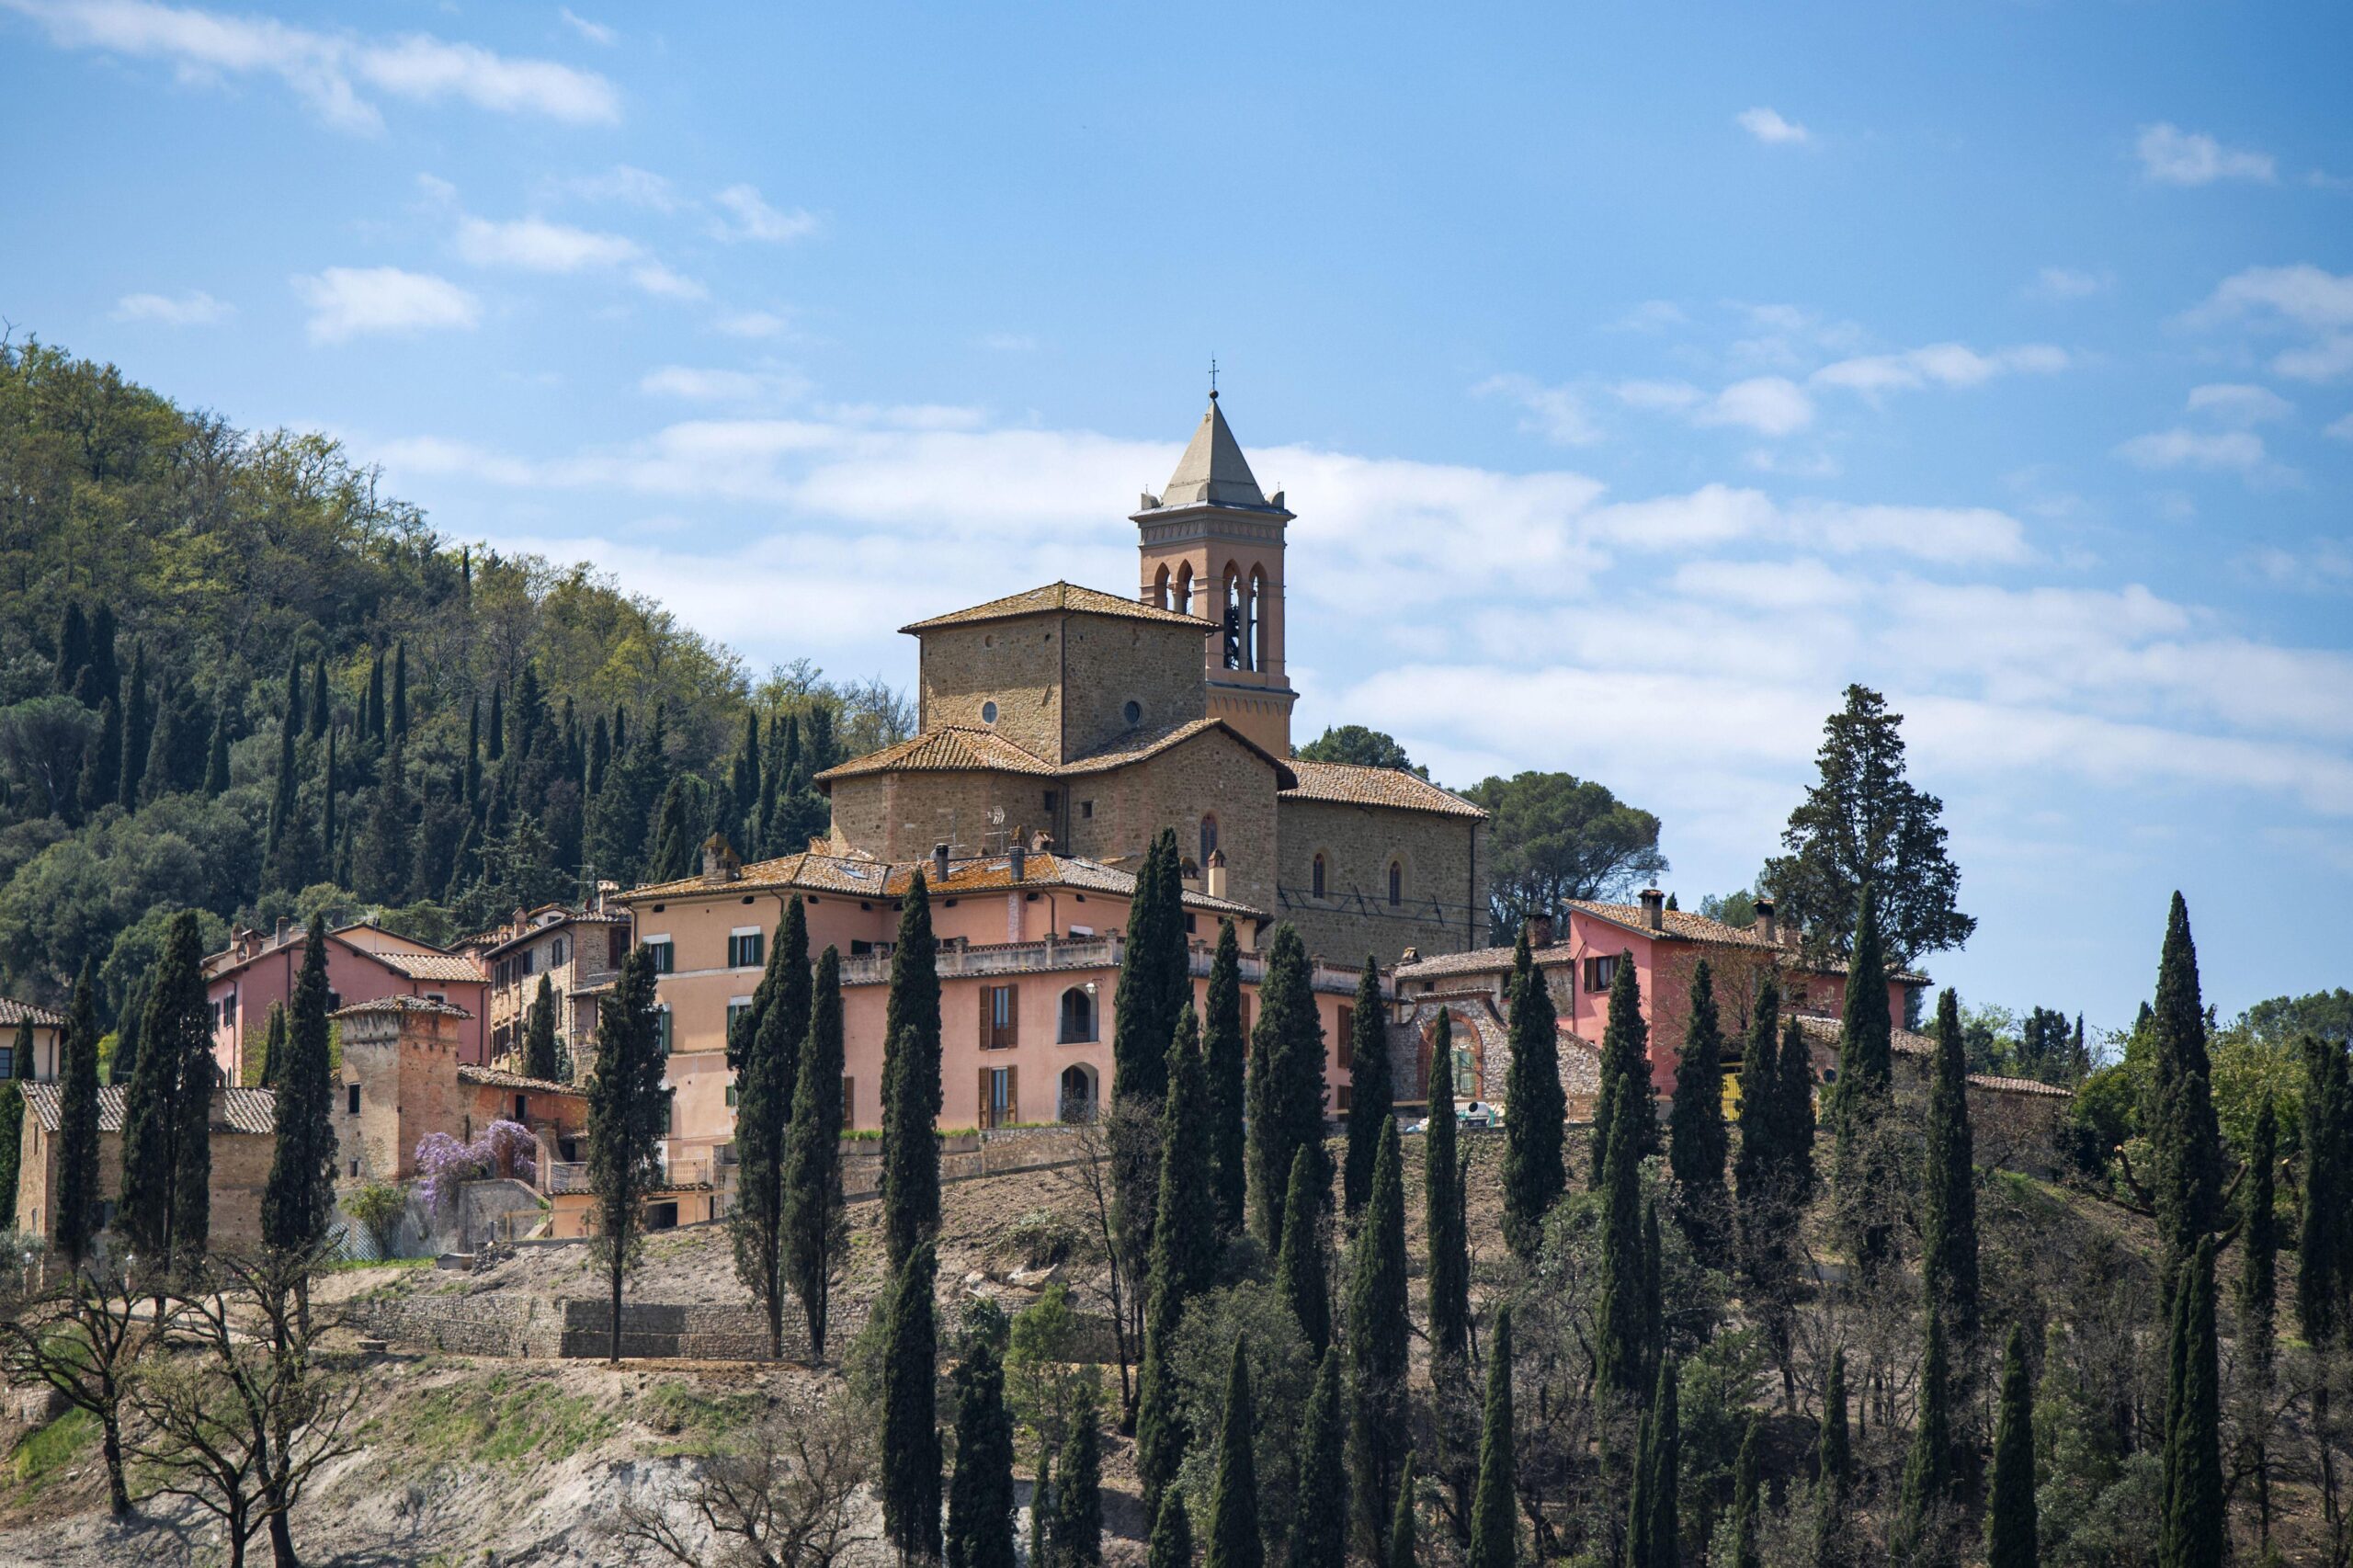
1539	930
1214	883
938	863
1018	858
1766	927
720	862
285	929
1653	909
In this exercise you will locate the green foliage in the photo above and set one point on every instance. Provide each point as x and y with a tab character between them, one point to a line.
629	1113
1285	1085
77	1198
166	1212
1696	1143
980	1500
1233	1506
1301	1272
1281	1376
1172	1535
816	1232
1379	1322
1834	1471
2191	1532
1623	1329
1552	837
767	1077
1444	1220
1319	1534
2010	1526
1371	1096
538	1034
1225	1054
298	1200
911	1085
1625	1063
1154	982
2185	1145
1358	745
1045	1383
1494	1505
378	1206
1533	1176
1864	825
1738	1546
2324	1234
1949	1219
1654	1526
1928	1463
1860	1101
907	1434
1184	1258
1401	1552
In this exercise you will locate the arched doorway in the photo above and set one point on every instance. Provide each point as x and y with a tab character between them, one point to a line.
1077	1093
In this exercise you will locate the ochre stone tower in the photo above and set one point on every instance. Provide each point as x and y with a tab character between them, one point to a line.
1212	546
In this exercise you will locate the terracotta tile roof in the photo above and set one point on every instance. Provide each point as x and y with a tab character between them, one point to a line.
454	967
1481	960
1061	599
237	1109
2034	1086
402	1004
861	878
1153	743
499	1078
1823	1032
494	942
1683	926
1346	783
949	749
12	1012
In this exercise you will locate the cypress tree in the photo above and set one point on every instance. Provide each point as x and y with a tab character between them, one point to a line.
166	1212
473	757
495	748
216	759
765	1079
1741	1535
1753	1168
1184	1261
1533	1176
1172	1535
629	1113
1401	1552
126	1039
2324	1256
1319	1537
1948	1227
1443	1217
12	1113
102	767
1793	1111
1654	1302
1494	1504
1041	1511
282	803
909	1427
326	797
911	1085
1153	979
1077	1524
1653	1526
1233	1503
1834	1470
138	725
1863	1093
1620	1355
293	715
77	1200
815	1230
400	691
1286	1081
980	1500
73	645
372	719
539	1033
1225	1054
299	1202
2010	1523
1372	1096
1928	1466
1625	1059
1695	1143
273	1047
1379	1322
2190	1523
1300	1271
317	714
2185	1146
2257	1294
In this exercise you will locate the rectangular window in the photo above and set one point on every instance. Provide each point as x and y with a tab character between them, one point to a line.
1600	975
662	1029
617	949
8	1061
731	1097
850	1103
1000	1017
1086	809
664	958
1347	1043
556	951
1000	1097
351	1099
736	1008
746	949
527	959
1342	1102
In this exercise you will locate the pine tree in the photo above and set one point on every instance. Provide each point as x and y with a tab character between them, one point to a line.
2185	1146
216	759
12	1112
629	1113
1533	1176
1742	1546
1653	1526
1300	1270
1928	1465
1863	1093
1233	1503
1184	1260
1225	1056
273	1047
1695	1143
299	1202
980	1500
539	1033
1948	1226
2010	1523
1371	1096
1319	1537
1379	1322
2192	1517
1172	1535
1402	1552
77	1200
1618	1357
766	1078
911	1085
815	1230
2256	1297
1443	1217
166	1212
1494	1504
1286	1081
909	1423
1625	1059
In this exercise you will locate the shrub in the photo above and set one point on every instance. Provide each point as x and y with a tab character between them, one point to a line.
378	1206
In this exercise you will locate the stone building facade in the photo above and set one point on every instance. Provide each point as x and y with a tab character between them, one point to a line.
577	952
244	1126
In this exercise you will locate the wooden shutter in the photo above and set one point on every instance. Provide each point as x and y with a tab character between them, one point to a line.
1347	1032
850	1103
986	999
987	1116
1012	1017
1012	1094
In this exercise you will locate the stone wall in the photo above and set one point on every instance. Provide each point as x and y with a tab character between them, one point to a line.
1109	663
1212	772
898	816
1017	664
1443	904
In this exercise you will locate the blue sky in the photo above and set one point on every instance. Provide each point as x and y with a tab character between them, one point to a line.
1640	376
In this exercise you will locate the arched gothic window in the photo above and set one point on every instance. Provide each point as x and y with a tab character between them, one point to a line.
1316	882
1237	622
1209	837
1185	587
1396	882
1160	588
1257	648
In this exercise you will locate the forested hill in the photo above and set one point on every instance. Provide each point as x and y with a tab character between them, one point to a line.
235	676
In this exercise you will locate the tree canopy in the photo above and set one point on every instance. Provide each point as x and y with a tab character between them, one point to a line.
1554	836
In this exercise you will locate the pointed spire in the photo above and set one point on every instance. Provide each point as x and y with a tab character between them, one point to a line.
1213	472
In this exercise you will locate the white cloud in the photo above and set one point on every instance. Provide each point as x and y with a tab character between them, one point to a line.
326	70
536	245
2240	451
2170	155
347	302
1942	364
1768	127
595	32
1670	396
722	386
2342	428
1557	413
2302	298
193	308
1770	406
2234	404
2068	283
753	323
1650	316
625	183
751	218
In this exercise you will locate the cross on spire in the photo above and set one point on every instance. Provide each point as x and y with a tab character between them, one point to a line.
1212	378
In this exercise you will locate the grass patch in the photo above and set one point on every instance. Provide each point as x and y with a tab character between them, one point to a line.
351	1265
502	1420
682	1408
46	1453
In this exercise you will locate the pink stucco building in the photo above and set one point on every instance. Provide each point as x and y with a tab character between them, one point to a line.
364	963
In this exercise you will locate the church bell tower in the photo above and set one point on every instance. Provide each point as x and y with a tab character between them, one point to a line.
1211	544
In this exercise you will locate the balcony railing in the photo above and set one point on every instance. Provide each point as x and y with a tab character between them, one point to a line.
1066	953
572	1176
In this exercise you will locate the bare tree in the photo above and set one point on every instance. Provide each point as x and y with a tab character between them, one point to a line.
780	1498
83	1338
1098	1139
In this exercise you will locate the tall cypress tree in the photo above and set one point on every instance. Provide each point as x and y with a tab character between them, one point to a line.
1653	1531
1743	1547
1863	1094
299	1202
911	1085
1379	1322
1495	1502
2257	1293
1948	1226
73	645
102	767
1928	1465
1372	1096
1696	1145
1225	1053
138	726
1834	1470
400	691
1319	1536
2185	1145
980	1500
316	714
766	1078
273	1047
1286	1080
216	759
372	720
1443	1217
1172	1535
1402	1552
1754	1166
1793	1111
1625	1059
1233	1503
816	1229
494	745
77	1200
629	1113
2191	1532
1537	1124
166	1152
1153	979
1620	1355
908	1430
473	757
1301	1272
2324	1236
1077	1524
539	1033
1184	1261
2010	1523
12	1113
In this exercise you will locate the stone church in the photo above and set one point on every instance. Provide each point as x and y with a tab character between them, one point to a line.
1086	722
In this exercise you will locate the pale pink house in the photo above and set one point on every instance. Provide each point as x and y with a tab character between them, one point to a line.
364	963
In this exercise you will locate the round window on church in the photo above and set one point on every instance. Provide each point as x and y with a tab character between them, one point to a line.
988	712
1134	713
